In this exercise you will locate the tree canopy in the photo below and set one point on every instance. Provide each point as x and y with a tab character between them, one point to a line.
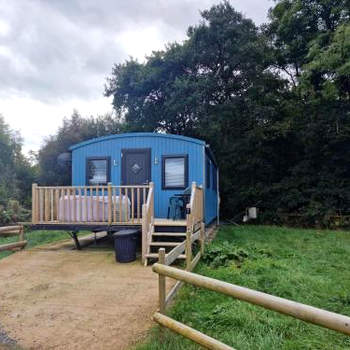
273	102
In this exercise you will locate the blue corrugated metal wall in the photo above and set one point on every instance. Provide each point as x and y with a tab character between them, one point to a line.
160	144
211	195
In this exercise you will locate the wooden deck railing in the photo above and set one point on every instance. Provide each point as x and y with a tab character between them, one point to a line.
195	224
147	222
310	314
88	204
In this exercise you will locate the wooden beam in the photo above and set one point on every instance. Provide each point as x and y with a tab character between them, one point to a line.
14	245
190	333
188	246
161	283
174	253
327	319
173	292
195	260
202	237
195	236
10	230
34	204
110	203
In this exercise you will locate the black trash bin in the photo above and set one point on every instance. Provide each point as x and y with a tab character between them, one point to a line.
125	245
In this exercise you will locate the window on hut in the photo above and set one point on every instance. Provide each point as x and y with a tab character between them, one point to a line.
175	172
97	171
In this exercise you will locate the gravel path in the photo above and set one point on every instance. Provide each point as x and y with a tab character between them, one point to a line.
75	300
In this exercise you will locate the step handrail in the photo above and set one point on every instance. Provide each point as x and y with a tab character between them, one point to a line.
147	221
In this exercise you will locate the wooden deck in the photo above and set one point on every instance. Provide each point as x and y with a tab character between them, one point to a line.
112	208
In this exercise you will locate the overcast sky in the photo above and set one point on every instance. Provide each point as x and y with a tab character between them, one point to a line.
56	54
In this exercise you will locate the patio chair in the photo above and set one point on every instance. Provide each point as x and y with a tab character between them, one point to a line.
175	207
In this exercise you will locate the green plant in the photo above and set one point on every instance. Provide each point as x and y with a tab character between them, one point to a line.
13	212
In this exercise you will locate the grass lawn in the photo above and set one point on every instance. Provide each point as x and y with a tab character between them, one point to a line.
35	238
308	266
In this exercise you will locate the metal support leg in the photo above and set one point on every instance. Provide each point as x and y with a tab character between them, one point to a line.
75	238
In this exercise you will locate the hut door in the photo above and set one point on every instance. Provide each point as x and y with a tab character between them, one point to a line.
136	170
136	166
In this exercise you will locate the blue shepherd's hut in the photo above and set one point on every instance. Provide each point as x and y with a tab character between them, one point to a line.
165	186
171	162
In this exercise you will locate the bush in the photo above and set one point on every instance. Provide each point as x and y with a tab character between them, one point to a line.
13	212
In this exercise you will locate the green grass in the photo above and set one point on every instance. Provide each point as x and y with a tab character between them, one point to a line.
308	266
36	238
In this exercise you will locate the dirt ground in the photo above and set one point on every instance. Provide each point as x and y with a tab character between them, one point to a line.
64	299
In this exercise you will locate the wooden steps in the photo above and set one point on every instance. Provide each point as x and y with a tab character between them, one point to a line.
155	256
165	244
169	234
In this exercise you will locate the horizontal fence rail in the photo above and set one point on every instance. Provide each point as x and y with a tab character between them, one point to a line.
310	314
9	231
190	333
88	204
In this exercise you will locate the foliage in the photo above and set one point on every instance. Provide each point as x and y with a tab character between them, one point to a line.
74	130
13	212
307	266
273	103
16	176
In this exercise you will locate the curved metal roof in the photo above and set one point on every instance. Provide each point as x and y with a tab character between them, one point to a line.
136	134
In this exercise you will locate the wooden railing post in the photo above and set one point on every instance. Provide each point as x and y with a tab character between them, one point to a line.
110	204
151	189
161	282
21	234
202	237
144	232
147	221
34	204
188	247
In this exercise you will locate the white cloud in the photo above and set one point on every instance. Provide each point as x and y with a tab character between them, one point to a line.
56	54
37	120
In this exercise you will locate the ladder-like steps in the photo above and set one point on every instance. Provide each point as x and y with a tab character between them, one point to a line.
155	256
165	244
169	234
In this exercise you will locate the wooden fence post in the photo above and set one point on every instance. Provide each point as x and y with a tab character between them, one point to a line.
202	237
188	247
34	204
161	282
110	204
144	233
21	234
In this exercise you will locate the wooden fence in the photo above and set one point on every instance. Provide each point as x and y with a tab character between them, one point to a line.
13	231
310	314
88	204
